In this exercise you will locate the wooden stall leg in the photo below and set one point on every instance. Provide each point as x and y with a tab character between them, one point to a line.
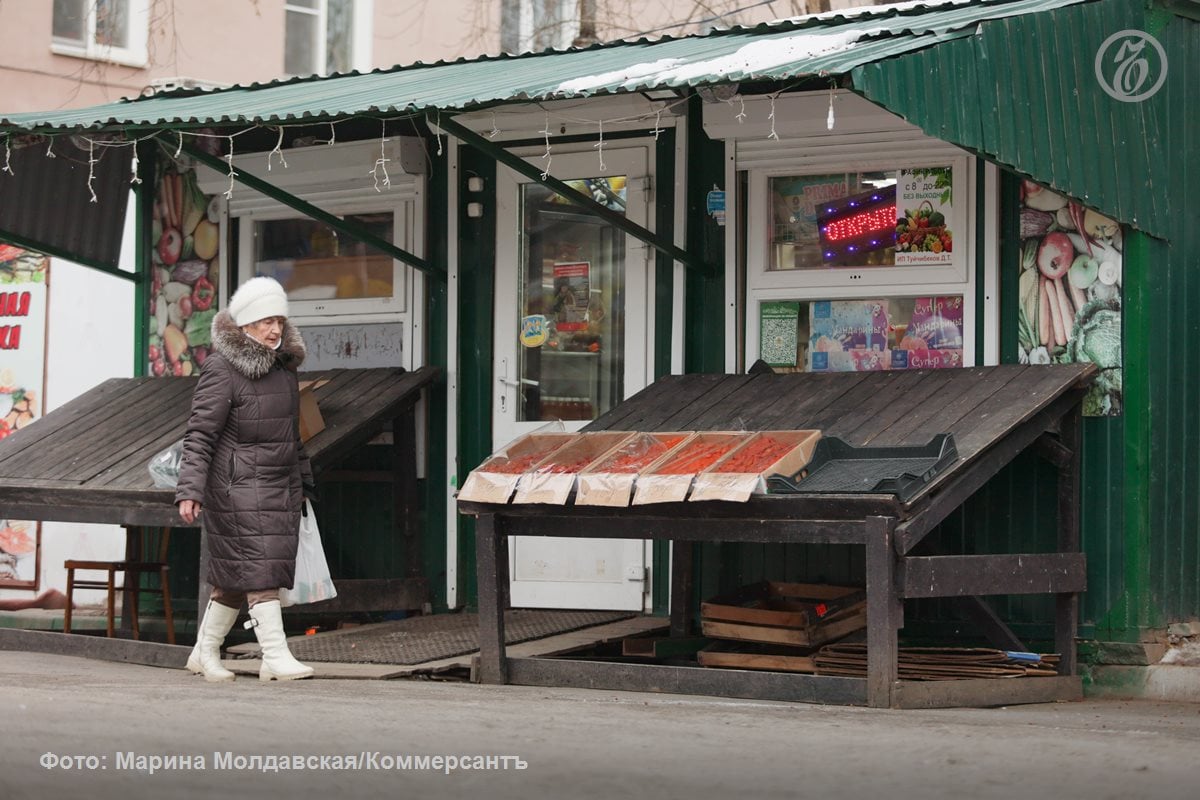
404	491
1066	612
491	557
681	588
133	552
70	600
883	613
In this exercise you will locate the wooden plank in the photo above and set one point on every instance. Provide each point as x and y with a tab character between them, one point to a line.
684	419
989	624
81	407
406	504
491	558
663	398
756	685
887	401
795	507
663	646
126	651
970	390
809	636
71	439
884	613
775	663
984	692
1028	573
350	427
733	412
925	402
168	415
803	396
1021	400
682	561
951	489
1066	612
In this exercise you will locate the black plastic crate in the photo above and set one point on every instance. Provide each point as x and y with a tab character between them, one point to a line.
838	467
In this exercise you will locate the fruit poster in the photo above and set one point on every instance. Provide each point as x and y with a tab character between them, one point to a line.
1071	267
23	298
924	202
572	293
185	232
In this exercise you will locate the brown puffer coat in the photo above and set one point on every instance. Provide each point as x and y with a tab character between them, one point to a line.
243	459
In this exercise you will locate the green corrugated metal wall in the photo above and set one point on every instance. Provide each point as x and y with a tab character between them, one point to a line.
1024	94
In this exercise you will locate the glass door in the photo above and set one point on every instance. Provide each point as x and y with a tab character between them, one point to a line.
572	341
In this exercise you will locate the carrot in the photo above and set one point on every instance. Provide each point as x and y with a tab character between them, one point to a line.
1068	318
1045	329
1060	336
1078	296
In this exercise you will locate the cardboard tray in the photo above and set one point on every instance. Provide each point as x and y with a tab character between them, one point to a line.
842	468
715	483
655	486
486	484
599	486
548	483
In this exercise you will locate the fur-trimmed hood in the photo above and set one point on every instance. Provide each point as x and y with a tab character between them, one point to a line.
249	356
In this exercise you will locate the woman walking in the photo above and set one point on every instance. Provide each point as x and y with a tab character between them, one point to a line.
245	469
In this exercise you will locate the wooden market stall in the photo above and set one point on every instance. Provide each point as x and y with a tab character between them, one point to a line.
87	461
994	413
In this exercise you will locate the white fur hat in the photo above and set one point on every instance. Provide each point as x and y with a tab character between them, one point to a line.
258	298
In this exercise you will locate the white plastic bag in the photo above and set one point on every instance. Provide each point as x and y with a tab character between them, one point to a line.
313	582
164	467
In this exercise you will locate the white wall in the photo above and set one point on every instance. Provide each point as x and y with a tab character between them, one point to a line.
89	339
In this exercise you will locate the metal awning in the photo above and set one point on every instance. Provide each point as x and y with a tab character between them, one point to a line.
87	461
817	45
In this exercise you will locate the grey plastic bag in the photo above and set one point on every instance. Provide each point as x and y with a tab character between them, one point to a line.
164	467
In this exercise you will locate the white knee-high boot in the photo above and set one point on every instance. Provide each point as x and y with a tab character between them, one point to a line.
206	655
277	661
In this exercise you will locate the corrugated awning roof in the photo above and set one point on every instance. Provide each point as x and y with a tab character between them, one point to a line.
827	44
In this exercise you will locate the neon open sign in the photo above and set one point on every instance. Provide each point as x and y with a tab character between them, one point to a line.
858	224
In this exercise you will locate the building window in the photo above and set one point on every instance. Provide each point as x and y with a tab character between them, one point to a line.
105	30
326	36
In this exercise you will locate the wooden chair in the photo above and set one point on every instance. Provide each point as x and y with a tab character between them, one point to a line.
132	568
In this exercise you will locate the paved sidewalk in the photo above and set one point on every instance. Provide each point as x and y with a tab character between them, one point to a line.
576	743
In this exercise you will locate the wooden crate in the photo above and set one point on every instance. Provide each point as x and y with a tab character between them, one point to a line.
719	483
553	479
600	485
796	614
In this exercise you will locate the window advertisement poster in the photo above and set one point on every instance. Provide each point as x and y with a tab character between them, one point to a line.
23	297
795	202
848	336
778	333
572	293
1071	271
924	199
933	336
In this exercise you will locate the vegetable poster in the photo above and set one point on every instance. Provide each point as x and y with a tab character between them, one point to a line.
185	232
924	197
1070	291
23	297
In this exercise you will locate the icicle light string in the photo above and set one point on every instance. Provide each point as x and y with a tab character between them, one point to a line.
8	155
232	172
549	159
599	147
437	133
179	147
657	119
494	132
278	151
381	162
92	169
741	115
133	168
829	118
771	117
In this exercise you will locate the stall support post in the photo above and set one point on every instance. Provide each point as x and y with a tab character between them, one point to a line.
883	613
491	559
1066	612
681	588
406	506
133	552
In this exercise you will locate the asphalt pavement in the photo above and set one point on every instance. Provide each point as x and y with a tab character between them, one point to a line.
74	727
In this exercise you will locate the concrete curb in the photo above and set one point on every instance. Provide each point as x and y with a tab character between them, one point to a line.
1169	682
